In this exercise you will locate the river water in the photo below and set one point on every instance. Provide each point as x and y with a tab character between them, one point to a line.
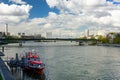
68	61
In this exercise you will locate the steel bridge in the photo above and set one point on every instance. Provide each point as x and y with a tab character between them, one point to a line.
21	40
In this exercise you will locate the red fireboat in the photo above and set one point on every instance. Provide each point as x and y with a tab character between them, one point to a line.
30	62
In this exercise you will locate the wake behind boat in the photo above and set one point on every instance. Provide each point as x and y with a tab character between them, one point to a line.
30	62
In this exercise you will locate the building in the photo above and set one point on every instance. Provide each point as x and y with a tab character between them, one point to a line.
87	33
27	37
21	34
2	34
37	36
49	35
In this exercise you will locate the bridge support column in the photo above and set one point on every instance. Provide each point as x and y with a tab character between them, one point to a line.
20	44
80	43
2	48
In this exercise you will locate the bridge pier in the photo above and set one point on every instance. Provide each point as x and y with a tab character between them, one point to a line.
80	43
2	48
20	44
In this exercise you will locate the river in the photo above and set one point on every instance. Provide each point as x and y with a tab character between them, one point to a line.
68	61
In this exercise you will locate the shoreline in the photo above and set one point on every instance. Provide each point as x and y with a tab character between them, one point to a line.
109	45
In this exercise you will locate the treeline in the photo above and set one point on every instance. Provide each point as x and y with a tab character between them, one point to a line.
110	38
113	38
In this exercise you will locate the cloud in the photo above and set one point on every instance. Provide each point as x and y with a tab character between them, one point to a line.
75	6
75	17
52	3
13	13
91	14
17	1
66	25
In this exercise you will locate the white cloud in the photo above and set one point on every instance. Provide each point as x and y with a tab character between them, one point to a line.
88	14
75	6
115	17
75	17
93	2
52	3
13	13
18	1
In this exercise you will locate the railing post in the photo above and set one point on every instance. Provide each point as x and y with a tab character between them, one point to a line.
20	44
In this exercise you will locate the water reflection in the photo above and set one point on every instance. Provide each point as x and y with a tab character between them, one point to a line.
71	62
19	74
33	76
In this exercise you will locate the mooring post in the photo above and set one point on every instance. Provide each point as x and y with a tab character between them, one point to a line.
79	43
2	48
20	44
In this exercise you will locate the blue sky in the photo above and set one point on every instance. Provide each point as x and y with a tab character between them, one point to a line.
64	17
39	8
114	2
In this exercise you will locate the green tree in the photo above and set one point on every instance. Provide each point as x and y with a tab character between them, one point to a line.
116	39
103	39
10	39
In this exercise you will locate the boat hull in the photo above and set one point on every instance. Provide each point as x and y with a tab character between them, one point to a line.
39	71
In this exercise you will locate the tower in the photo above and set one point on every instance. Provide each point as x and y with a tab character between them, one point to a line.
49	34
87	33
6	30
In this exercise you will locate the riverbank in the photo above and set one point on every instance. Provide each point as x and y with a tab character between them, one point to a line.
109	45
2	43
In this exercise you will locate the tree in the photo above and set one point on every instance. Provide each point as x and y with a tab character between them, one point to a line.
116	39
103	39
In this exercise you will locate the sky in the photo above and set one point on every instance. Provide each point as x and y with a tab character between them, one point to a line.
64	18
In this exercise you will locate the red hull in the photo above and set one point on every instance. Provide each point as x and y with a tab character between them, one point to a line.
34	70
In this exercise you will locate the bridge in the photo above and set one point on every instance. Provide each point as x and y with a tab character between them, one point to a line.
21	40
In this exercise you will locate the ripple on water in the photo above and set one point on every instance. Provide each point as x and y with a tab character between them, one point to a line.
76	62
